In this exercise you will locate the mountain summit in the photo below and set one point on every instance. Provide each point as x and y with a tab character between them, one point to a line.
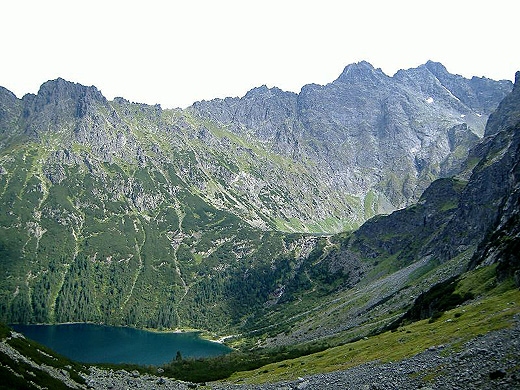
361	72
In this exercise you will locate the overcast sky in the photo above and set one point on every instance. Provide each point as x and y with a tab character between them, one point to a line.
177	52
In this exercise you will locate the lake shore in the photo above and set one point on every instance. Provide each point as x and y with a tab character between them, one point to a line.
100	343
202	333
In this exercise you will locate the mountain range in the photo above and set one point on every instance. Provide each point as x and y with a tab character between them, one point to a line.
319	217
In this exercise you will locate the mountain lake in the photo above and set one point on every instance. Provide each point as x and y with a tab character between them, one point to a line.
90	343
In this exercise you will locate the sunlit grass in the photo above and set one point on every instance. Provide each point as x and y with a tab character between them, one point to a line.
453	327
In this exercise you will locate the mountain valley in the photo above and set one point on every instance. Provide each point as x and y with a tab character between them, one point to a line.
351	211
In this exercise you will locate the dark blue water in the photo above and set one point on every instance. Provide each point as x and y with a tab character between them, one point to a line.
91	343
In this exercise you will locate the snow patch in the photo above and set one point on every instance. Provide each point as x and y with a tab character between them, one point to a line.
462	115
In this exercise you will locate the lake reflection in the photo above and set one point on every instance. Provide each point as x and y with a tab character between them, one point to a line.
91	343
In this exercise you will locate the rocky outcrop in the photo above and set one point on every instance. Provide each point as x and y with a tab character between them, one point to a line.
454	215
508	111
502	183
58	104
10	113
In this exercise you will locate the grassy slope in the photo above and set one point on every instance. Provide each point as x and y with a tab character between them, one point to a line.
492	310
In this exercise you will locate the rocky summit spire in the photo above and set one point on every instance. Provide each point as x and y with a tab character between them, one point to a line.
362	71
436	68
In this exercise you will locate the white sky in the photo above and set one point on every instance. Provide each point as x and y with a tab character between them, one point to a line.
177	52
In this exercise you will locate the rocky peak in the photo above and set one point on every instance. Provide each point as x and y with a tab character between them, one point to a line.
59	102
6	96
436	68
257	91
72	99
264	91
479	93
54	91
472	100
426	79
508	111
354	133
361	72
265	112
379	139
10	109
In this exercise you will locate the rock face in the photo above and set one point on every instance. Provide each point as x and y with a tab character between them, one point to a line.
10	113
503	241
487	200
507	113
456	214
